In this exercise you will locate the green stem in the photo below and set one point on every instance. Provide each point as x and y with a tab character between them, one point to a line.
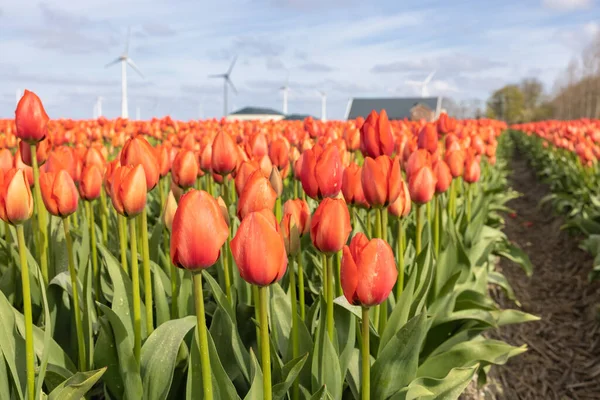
147	276
278	209
90	211
122	223
365	357
75	290
295	344
299	261
419	232
225	250
452	200
383	317
202	337
469	200
173	273
264	343
75	219
330	297
295	188
378	231
436	225
161	194
103	217
401	249
135	283
40	211
338	274
325	276
369	226
256	299
29	353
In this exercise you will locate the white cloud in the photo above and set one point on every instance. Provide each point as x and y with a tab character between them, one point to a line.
567	5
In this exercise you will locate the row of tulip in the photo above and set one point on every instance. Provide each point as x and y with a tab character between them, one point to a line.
564	155
256	260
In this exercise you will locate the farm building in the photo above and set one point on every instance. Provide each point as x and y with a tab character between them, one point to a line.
413	108
255	114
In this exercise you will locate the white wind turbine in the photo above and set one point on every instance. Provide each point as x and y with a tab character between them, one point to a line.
323	105
285	90
98	107
422	84
226	81
124	60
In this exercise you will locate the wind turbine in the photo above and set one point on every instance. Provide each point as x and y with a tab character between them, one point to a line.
423	84
323	105
226	81
285	90
124	60
98	107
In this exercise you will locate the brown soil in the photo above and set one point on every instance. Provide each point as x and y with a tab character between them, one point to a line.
563	357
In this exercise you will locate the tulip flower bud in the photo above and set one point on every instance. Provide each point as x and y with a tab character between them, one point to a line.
352	188
376	137
368	271
169	210
330	226
242	174
299	208
456	162
472	169
19	164
275	180
381	180
401	207
31	118
421	185
59	193
198	231
290	234
16	203
93	156
137	151
128	191
322	172
91	183
65	158
224	154
442	175
164	161
257	195
279	153
6	160
258	249
184	170
42	151
224	210
428	138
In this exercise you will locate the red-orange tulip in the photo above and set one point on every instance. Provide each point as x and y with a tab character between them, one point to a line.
376	135
279	153
93	156
352	188
6	160
184	170
128	191
137	151
299	208
381	180
169	210
322	172
330	226
428	138
442	175
198	231
290	233
16	203
258	249
64	158
164	160
42	151
257	195
59	193
368	272
472	169
243	173
421	185
19	164
224	154
446	124
91	183
456	162
31	118
401	207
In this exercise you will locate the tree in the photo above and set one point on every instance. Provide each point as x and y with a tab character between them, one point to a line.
507	103
532	89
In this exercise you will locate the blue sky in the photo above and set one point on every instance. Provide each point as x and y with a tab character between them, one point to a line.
345	47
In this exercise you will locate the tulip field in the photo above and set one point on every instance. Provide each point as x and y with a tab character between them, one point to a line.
211	259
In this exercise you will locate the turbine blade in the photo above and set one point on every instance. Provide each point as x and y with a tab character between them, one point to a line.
135	68
218	76
117	60
429	77
231	66
231	84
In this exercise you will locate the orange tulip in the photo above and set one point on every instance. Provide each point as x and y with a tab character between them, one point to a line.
322	172
137	151
446	124
456	162
290	233
472	168
42	152
352	188
93	156
6	160
376	135
169	210
368	272
164	160
198	231
380	180
428	138
91	183
184	170
31	118
257	195
224	154
59	193
259	250
279	153
299	208
330	226
128	190
401	207
242	174
417	160
421	185
16	203
19	164
442	175
64	158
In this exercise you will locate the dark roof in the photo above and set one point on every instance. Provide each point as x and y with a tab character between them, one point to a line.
297	117
256	111
396	107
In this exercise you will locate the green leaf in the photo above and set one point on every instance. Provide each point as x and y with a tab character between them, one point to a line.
508	317
325	362
159	356
467	354
399	315
256	390
322	394
471	314
518	256
4	379
163	313
290	371
8	345
77	386
397	366
47	339
345	329
448	388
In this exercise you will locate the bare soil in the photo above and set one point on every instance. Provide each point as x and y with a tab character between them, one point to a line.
563	357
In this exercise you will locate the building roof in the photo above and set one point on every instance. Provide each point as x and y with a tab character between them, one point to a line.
396	107
297	117
256	111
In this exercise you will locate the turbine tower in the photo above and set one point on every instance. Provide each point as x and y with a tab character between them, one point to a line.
323	105
423	84
285	90
124	60
98	107
226	81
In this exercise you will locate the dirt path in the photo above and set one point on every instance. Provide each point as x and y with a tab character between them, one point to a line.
563	361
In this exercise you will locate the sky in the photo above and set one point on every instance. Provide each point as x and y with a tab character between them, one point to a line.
346	48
